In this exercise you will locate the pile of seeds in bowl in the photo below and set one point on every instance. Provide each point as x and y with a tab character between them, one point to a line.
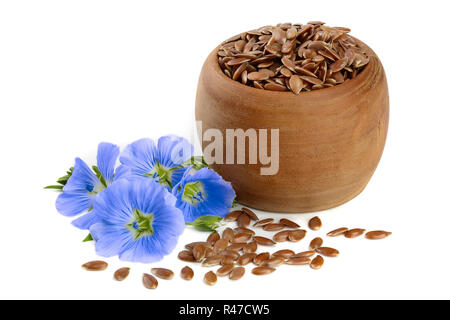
235	248
292	57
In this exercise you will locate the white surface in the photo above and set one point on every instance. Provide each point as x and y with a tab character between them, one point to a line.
74	73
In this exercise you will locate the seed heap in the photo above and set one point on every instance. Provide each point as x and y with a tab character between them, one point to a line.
236	248
293	57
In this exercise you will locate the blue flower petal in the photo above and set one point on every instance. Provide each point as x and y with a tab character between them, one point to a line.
219	195
82	179
122	172
72	203
107	155
85	221
109	238
140	156
174	150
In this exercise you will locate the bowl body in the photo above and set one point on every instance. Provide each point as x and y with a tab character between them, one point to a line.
330	140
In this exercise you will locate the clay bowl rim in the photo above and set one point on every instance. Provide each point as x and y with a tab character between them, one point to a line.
341	90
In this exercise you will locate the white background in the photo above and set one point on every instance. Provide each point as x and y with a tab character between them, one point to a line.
75	73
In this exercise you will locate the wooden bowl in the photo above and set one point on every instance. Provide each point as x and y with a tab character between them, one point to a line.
330	140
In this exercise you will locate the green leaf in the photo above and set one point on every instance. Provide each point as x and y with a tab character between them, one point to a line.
61	181
197	162
88	238
235	203
206	223
99	175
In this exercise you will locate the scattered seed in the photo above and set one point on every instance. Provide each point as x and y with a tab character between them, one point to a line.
273	227
199	252
236	246
315	243
249	212
260	271
225	270
353	233
237	273
263	222
230	253
228	234
377	235
163	273
263	241
246	258
274	262
121	274
244	230
149	281
315	223
250	247
304	254
232	216
337	232
296	235
298	260
186	256
282	236
242	238
220	245
317	262
285	253
243	220
327	252
192	245
187	273
210	278
212	261
213	237
261	258
290	224
96	265
227	260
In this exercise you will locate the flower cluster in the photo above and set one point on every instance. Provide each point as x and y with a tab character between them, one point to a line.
137	210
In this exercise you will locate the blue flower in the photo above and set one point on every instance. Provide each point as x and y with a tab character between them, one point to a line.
203	193
137	220
83	185
161	163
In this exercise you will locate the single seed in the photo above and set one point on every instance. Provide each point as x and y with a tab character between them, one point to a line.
261	271
226	260
263	222
246	258
209	252
296	235
274	262
282	236
273	227
237	273
263	241
244	230
290	224
304	254
315	243
225	270
236	246
210	278
251	214
377	235
232	216
353	233
230	253
213	237
328	252
317	262
220	245
228	234
315	223
261	258
242	238
187	273
243	220
199	252
212	261
337	232
250	247
298	260
96	265
121	274
192	245
186	255
286	253
163	273
149	281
